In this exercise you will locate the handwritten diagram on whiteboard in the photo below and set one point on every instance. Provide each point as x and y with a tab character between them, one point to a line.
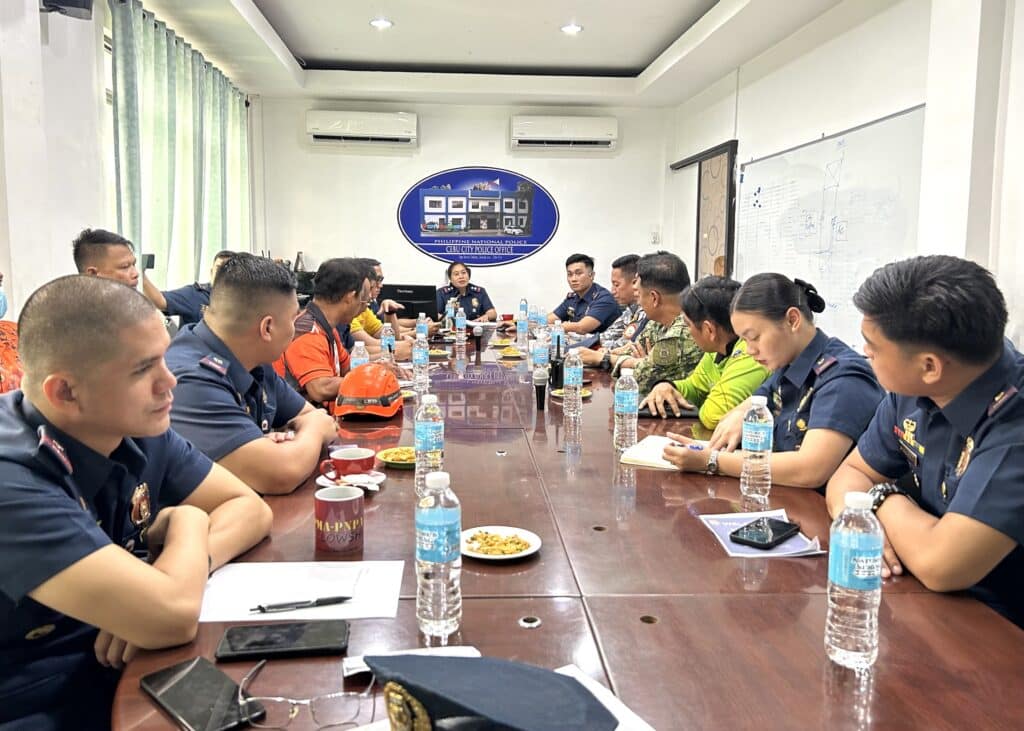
833	211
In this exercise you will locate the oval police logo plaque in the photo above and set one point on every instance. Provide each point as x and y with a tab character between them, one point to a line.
481	216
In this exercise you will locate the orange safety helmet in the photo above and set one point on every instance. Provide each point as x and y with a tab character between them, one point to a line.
369	390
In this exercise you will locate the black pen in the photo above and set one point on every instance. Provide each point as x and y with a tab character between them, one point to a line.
288	606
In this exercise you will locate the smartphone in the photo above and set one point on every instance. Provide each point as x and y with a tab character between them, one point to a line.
148	261
764	533
284	639
645	413
198	695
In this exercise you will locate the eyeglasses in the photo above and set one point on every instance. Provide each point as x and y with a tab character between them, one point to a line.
327	711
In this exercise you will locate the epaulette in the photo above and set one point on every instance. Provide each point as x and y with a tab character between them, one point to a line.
824	363
475	288
1001	399
55	449
571	293
215	363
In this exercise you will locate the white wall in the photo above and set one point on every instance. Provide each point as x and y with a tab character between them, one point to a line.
325	202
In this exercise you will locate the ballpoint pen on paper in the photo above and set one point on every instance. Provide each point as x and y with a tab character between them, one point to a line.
289	606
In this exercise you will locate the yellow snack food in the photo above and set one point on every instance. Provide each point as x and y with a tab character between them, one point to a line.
493	544
398	454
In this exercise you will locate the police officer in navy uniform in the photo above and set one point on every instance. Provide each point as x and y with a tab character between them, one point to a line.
228	400
589	307
821	393
94	480
471	298
954	421
188	303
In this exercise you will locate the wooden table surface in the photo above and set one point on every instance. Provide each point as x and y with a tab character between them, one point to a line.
631	587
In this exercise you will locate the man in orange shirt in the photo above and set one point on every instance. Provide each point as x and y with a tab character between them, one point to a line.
316	359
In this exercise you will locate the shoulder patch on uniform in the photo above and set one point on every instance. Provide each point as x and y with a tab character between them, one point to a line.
54	448
824	363
1001	398
474	288
215	363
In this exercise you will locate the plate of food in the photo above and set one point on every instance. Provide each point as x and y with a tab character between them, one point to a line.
500	342
499	543
400	458
369	481
510	352
559	393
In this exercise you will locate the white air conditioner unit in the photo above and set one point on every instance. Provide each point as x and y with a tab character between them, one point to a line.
579	133
387	129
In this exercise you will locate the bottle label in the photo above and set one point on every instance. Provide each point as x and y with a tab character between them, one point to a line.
421	329
356	362
438	542
757	437
460	323
388	343
626	402
420	356
429	436
573	376
540	355
855	560
521	326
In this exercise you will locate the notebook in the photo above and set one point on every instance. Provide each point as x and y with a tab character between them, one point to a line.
647	452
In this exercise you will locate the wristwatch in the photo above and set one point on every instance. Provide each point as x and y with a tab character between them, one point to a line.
880	493
712	468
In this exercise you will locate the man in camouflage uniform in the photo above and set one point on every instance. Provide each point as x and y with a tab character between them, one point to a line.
664	351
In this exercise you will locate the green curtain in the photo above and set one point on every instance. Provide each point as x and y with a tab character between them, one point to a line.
181	147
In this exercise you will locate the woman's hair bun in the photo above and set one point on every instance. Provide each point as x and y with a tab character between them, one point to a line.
815	302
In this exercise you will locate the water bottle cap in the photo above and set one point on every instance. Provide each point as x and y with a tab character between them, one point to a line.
428	399
478	330
626	372
437	480
423	315
758	400
858	500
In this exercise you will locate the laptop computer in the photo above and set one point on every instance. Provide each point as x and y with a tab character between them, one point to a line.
415	298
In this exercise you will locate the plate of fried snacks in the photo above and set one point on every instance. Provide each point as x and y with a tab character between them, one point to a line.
400	458
500	342
499	542
510	352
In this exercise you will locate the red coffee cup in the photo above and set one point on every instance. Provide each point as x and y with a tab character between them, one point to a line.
347	461
508	318
338	518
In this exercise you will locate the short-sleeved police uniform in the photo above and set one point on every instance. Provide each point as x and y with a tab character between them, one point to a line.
59	502
967	458
188	303
597	302
828	386
219	405
475	302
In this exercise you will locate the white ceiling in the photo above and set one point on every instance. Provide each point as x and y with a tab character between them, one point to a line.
640	53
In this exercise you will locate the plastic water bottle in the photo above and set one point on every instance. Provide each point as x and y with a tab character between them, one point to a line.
387	343
524	309
572	385
428	441
522	333
421	325
438	558
421	364
758	425
557	337
460	326
541	356
627	397
532	316
359	355
449	314
854	584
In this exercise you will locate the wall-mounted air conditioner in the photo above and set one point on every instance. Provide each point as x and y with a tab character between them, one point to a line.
386	129
578	133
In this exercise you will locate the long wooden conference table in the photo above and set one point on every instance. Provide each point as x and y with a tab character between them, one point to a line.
630	586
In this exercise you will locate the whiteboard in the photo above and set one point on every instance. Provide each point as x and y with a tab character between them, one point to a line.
832	211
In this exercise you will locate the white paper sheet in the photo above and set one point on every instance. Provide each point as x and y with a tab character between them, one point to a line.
723	524
354	665
235	589
628	720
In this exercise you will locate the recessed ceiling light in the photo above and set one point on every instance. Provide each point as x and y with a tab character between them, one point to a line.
572	29
381	23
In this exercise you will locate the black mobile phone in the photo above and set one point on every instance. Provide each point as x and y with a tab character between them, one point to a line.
148	261
764	533
198	695
284	639
645	413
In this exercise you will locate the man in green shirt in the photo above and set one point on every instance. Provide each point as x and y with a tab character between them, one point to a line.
726	376
664	351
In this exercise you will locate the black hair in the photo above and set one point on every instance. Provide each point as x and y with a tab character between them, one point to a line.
772	295
448	271
74	322
223	254
244	281
91	244
663	271
369	265
709	300
337	277
627	264
577	258
937	301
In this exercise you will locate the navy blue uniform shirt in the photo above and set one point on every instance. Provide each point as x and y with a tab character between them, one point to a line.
598	303
188	303
828	386
475	302
967	458
59	502
219	405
